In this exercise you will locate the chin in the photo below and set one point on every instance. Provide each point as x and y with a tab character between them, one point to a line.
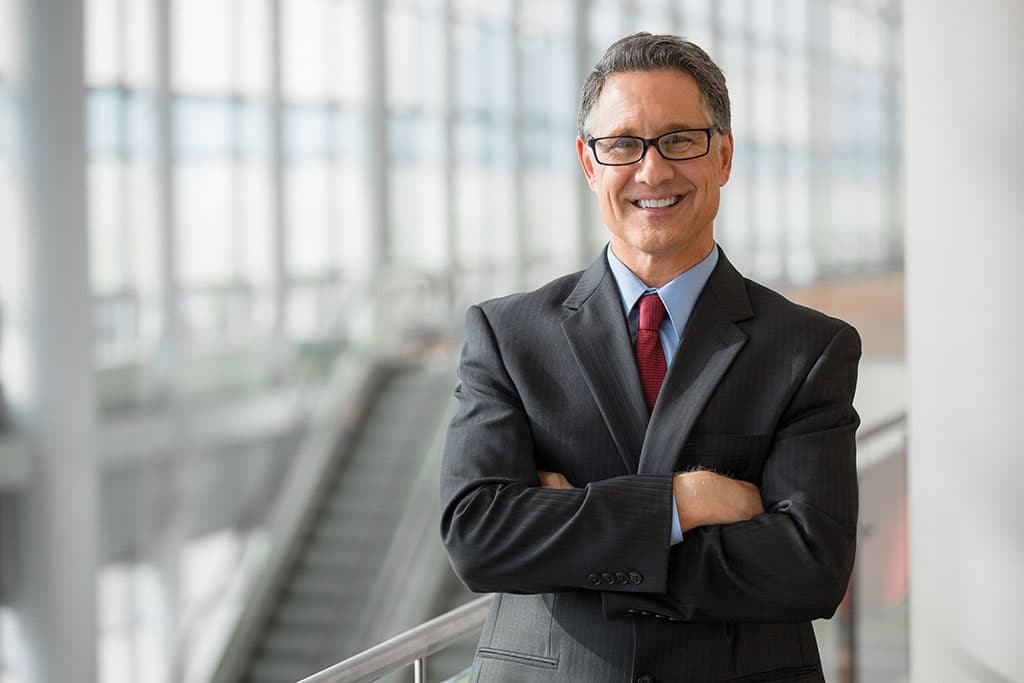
654	248
659	240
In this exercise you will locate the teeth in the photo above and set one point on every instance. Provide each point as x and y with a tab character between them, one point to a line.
656	203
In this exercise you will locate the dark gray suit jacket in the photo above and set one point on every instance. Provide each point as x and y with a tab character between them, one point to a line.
589	588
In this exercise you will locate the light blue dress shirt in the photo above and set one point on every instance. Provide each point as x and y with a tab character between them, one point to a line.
679	296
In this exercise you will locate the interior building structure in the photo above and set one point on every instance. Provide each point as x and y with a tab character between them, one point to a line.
237	238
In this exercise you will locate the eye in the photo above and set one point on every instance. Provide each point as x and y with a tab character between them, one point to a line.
623	144
678	139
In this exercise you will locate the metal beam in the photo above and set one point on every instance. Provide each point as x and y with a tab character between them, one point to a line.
278	203
169	345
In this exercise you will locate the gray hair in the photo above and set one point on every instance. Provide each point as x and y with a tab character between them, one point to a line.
647	52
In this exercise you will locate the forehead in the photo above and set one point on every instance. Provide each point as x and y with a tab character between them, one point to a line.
647	103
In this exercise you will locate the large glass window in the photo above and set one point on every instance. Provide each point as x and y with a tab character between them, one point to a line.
326	191
734	226
121	140
609	21
417	79
269	144
794	190
550	170
233	140
696	22
485	210
653	16
221	179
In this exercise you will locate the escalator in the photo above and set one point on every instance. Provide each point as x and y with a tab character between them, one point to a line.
345	583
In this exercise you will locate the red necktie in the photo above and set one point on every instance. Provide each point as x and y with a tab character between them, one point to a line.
650	359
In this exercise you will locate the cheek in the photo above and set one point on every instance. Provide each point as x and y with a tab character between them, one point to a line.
711	201
710	181
611	187
611	201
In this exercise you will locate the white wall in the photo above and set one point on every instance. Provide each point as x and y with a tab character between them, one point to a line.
964	133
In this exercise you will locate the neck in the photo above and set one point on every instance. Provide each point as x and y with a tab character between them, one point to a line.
657	270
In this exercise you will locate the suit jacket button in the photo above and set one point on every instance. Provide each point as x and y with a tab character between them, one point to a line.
645	678
608	578
593	579
621	578
636	578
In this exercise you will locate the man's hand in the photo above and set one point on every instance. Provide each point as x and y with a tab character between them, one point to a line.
553	480
705	497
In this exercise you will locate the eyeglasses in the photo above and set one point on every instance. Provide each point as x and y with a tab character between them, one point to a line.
676	145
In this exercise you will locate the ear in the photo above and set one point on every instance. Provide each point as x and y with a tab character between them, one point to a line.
586	161
725	148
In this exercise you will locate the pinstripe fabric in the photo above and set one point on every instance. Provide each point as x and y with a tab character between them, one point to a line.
761	390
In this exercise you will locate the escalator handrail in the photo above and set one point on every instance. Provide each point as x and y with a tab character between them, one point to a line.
416	643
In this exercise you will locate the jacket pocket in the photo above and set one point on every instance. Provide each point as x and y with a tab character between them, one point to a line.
517	657
795	674
520	630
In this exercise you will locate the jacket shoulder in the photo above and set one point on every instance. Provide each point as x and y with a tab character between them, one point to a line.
791	318
531	306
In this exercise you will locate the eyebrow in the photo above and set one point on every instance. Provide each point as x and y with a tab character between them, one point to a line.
668	129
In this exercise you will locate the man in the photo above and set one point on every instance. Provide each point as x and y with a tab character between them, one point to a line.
659	488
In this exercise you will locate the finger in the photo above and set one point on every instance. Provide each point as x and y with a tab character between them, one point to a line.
547	479
553	480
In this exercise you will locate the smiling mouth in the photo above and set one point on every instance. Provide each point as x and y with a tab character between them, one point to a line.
657	203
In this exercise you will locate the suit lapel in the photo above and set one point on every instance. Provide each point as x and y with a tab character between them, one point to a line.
599	339
709	345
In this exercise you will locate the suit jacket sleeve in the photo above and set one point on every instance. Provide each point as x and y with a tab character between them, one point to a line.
794	561
503	532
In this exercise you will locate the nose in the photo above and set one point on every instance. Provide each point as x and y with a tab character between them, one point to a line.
653	169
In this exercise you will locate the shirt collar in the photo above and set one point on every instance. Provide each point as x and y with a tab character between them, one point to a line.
679	295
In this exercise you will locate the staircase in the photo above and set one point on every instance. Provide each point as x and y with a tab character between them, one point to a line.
325	608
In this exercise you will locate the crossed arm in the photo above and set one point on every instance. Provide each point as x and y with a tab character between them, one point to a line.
783	552
702	497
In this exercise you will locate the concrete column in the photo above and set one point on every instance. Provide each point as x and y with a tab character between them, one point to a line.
586	217
964	245
48	363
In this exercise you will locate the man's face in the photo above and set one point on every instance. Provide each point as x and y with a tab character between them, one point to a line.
644	236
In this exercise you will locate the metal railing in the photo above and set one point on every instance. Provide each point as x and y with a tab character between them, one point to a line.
847	616
415	645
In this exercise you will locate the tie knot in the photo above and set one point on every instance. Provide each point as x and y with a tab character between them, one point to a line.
652	312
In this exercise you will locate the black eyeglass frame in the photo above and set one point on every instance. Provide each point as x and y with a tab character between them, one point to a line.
653	142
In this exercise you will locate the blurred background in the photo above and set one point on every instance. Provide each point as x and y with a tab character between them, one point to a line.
237	238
